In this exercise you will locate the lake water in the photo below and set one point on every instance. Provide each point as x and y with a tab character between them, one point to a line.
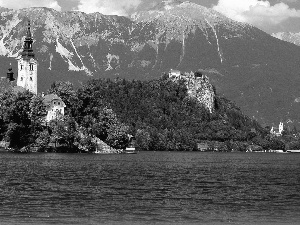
150	188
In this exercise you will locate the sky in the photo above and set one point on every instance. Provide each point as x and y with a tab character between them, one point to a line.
269	15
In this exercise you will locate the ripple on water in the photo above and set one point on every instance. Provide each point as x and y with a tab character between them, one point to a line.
151	187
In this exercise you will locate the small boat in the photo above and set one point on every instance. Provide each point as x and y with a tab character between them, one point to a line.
130	150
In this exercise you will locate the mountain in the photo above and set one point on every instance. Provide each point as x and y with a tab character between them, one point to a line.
288	36
260	73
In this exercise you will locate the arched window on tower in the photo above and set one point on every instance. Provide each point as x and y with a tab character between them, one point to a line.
31	67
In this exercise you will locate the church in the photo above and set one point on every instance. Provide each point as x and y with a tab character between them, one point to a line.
27	78
27	65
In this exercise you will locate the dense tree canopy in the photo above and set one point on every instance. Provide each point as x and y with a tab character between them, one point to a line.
158	113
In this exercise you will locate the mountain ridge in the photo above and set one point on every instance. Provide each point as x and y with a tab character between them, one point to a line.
248	66
291	37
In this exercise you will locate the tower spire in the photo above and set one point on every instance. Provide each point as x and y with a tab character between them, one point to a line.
28	30
27	65
27	47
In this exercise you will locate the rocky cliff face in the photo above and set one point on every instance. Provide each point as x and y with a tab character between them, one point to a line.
174	34
69	41
198	87
257	71
288	37
202	90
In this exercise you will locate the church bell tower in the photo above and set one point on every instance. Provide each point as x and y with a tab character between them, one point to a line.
27	65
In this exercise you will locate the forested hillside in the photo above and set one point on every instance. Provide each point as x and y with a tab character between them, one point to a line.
158	113
161	115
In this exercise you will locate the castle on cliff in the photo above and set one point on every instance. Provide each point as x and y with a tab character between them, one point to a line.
198	87
277	131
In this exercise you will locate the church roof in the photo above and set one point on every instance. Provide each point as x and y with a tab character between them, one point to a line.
50	97
27	47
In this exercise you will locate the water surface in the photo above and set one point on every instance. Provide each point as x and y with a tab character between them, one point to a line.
150	188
